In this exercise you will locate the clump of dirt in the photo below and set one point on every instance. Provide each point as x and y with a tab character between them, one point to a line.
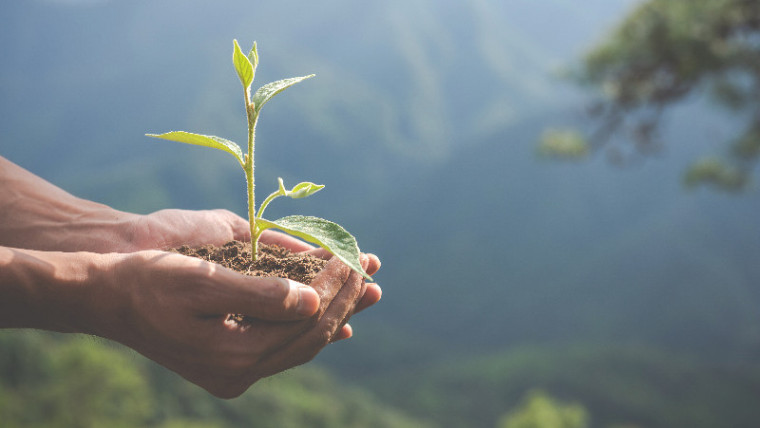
273	260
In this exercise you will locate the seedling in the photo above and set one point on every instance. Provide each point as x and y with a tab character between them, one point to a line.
326	234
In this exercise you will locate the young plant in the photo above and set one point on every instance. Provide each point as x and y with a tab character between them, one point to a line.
326	234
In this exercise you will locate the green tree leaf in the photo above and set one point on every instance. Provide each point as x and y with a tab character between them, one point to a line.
243	66
324	233
266	92
203	140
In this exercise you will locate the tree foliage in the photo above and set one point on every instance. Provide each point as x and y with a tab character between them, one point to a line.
540	410
663	52
50	380
47	382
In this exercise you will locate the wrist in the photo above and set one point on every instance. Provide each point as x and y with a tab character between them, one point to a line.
99	229
37	215
51	290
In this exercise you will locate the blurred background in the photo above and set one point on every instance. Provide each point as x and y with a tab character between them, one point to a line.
561	194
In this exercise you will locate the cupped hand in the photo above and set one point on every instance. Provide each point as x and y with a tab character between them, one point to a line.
174	310
173	228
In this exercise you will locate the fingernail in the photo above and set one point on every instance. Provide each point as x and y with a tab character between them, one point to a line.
308	301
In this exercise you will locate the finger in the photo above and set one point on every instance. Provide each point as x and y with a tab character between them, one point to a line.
372	267
272	299
295	245
344	333
373	264
329	282
329	326
340	309
326	285
372	295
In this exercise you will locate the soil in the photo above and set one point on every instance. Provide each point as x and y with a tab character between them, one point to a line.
272	261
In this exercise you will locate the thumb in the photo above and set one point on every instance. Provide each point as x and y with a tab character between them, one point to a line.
272	299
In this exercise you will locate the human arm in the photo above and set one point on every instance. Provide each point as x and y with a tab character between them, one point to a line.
173	309
38	215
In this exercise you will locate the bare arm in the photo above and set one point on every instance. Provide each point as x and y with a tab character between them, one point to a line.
36	214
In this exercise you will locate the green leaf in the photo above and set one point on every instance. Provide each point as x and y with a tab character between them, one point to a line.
253	56
203	140
300	190
266	92
304	189
324	233
243	66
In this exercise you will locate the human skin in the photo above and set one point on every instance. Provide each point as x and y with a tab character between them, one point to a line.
72	265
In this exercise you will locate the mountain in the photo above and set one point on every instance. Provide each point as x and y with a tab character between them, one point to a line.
500	248
522	250
400	84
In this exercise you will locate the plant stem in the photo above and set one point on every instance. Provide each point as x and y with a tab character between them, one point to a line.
251	214
249	175
266	202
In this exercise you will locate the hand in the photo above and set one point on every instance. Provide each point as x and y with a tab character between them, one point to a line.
173	309
173	228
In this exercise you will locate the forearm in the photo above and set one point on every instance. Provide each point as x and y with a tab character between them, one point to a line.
49	290
36	214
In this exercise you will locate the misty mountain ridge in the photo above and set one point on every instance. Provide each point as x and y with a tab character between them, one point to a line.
422	77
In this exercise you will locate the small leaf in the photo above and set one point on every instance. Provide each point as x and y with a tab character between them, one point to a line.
203	140
302	190
266	92
243	66
324	233
253	56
